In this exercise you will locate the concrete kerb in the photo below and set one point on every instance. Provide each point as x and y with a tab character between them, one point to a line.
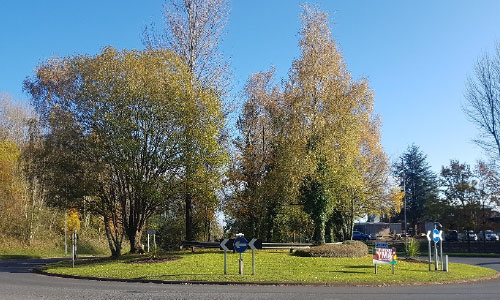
246	283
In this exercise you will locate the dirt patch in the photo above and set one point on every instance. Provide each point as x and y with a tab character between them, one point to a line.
154	260
414	260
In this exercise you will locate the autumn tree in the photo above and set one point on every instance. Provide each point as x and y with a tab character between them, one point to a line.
139	114
331	115
24	194
313	143
460	189
193	29
488	189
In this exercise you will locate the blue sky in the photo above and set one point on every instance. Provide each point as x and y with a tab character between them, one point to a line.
416	54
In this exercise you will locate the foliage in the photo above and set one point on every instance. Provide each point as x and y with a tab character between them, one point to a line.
315	142
147	127
419	181
270	267
193	30
73	219
346	249
459	188
413	247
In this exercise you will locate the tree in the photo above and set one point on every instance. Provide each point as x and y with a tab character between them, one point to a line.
483	101
253	206
332	116
313	143
420	183
488	191
193	29
141	116
460	189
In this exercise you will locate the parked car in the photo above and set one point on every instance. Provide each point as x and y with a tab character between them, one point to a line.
452	235
469	235
359	236
488	235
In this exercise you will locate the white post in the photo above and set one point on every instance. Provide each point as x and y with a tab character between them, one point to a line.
148	241
241	264
65	232
253	262
436	263
430	255
73	249
441	252
154	240
225	262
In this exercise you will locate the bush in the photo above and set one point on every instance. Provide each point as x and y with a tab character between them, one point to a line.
413	247
346	249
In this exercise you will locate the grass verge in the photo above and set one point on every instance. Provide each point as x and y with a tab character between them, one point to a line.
271	266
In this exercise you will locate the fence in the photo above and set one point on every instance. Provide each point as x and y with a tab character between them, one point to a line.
291	246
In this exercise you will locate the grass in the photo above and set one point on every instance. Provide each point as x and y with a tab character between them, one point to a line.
17	256
271	266
11	248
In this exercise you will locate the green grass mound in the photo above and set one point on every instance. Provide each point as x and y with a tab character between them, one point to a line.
346	249
271	266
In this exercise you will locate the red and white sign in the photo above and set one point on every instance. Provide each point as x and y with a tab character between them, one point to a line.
384	256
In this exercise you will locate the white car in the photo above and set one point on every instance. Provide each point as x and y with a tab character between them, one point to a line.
488	235
470	235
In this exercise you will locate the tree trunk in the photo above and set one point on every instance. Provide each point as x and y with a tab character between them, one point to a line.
189	216
114	238
319	231
135	241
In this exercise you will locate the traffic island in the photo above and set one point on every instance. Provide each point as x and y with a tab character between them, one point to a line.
272	267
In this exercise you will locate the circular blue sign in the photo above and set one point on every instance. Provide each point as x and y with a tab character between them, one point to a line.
240	244
435	235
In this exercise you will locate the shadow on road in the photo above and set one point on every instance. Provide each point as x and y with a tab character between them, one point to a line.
24	265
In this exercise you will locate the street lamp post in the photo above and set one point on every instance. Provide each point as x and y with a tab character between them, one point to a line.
404	201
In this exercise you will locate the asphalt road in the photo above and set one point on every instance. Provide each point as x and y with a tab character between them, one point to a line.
17	282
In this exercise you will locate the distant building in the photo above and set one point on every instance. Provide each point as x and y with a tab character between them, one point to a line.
379	228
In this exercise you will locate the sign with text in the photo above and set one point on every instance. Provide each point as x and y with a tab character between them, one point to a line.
384	256
381	245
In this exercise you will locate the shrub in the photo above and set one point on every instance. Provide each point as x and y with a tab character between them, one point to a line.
413	247
346	249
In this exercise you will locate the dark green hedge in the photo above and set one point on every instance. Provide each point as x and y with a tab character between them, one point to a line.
346	249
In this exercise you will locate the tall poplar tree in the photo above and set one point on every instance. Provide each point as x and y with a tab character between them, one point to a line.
193	29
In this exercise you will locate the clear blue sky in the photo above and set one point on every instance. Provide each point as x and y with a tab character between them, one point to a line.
416	54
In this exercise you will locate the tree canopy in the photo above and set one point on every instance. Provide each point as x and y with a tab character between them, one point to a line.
144	124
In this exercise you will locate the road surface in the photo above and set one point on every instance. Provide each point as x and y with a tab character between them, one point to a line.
18	283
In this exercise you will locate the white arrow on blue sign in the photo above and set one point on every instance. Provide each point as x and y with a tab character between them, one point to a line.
240	244
436	235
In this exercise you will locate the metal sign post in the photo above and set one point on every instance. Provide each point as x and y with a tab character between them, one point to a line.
240	245
73	242
251	245
436	238
441	249
429	248
153	233
225	248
